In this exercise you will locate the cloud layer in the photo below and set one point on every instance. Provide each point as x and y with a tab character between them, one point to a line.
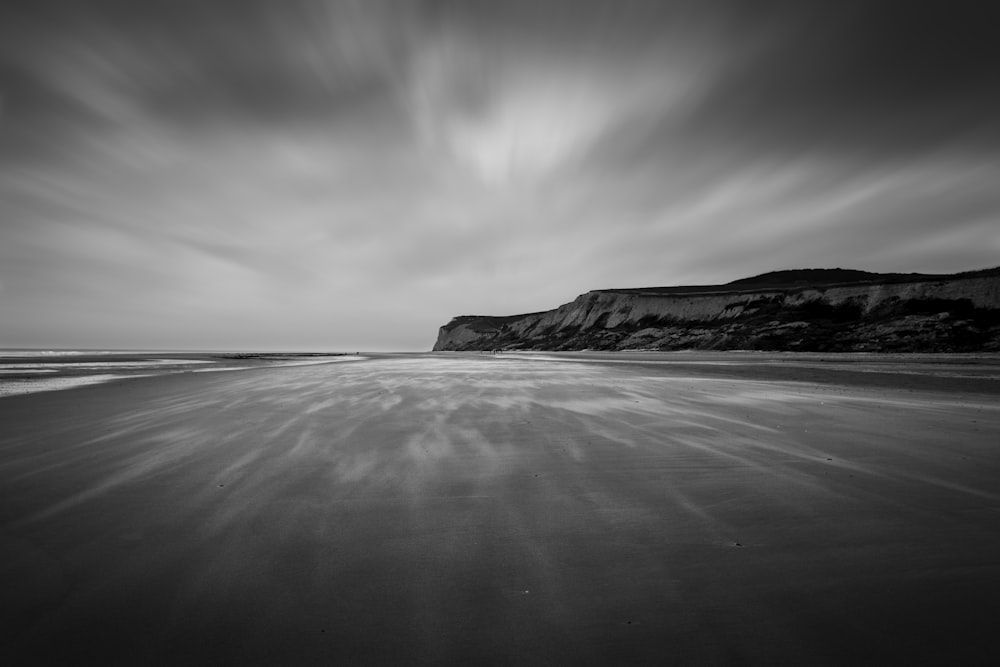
349	175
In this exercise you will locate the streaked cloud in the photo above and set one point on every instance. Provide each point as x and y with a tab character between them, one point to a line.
335	174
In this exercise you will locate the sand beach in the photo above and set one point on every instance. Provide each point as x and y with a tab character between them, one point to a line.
453	508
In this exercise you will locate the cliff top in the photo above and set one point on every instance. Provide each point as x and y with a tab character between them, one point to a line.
794	279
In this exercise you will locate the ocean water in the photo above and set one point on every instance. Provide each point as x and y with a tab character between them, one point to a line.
27	371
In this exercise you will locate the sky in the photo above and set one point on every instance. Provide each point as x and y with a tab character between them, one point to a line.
346	176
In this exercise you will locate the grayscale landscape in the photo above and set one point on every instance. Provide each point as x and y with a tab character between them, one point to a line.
499	332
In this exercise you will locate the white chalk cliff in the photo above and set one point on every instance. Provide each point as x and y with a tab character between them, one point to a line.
815	309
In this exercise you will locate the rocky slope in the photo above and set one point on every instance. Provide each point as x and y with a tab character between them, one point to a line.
809	310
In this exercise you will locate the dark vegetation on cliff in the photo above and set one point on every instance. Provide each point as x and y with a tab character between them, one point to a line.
803	278
827	310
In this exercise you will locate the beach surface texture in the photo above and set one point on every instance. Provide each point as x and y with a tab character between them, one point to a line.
460	508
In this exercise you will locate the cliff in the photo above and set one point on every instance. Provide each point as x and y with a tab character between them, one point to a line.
808	310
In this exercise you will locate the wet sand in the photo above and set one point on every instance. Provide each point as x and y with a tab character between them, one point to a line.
471	509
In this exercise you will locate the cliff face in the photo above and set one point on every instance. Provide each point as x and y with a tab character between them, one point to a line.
878	312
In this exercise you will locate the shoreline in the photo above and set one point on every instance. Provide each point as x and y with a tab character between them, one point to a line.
461	509
23	373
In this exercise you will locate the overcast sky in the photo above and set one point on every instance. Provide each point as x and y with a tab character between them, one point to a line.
332	175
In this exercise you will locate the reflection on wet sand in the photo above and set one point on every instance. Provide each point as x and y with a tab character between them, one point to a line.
461	508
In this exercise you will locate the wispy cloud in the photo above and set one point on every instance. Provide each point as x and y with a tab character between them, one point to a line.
325	173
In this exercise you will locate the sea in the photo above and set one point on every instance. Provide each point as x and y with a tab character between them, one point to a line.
24	371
